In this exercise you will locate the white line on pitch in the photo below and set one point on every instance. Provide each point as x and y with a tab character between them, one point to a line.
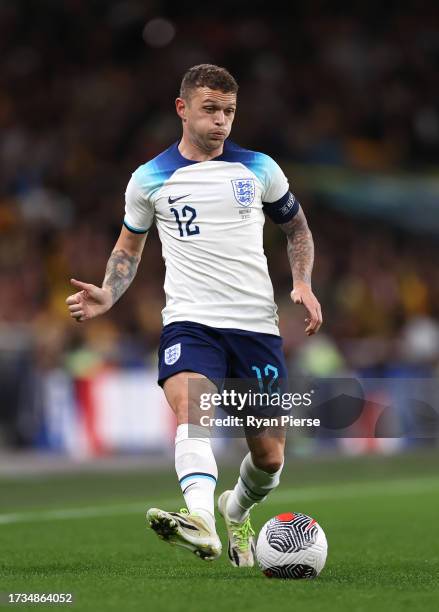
406	486
85	512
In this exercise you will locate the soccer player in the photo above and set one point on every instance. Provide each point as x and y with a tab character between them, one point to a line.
208	198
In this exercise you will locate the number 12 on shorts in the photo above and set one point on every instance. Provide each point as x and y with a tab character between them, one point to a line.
269	371
184	227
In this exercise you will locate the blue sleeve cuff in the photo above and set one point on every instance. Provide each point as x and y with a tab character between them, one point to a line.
283	210
134	230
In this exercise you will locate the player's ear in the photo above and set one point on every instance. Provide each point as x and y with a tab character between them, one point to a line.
180	107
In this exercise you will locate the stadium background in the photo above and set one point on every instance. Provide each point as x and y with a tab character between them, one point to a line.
344	95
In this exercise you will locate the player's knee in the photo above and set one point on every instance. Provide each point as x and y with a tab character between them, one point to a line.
269	462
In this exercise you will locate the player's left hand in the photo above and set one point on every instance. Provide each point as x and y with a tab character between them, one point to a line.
302	294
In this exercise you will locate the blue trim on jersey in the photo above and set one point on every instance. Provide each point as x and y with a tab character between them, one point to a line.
134	230
197	475
153	174
283	210
232	153
259	163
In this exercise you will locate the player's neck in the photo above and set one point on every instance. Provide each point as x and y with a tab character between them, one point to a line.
195	152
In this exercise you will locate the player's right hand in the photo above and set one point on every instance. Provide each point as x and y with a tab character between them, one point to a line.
88	303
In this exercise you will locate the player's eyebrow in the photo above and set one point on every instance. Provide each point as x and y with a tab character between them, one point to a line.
210	101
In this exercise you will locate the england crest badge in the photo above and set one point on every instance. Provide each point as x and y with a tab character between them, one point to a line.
172	354
244	191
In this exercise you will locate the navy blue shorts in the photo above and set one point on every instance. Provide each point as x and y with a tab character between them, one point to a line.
219	353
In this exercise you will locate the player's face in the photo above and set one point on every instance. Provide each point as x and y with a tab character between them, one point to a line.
208	116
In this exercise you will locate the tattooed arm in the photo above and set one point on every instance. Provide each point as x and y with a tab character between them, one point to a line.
92	301
300	249
123	262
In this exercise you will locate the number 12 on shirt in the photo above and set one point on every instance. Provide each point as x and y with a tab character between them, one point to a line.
184	227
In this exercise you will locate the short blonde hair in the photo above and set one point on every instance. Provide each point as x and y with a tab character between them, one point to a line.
207	75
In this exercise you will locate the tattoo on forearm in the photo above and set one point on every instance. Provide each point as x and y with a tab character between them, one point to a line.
300	247
121	269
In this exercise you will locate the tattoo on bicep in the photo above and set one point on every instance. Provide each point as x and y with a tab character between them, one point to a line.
121	269
300	248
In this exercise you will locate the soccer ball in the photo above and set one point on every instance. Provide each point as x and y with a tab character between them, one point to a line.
291	546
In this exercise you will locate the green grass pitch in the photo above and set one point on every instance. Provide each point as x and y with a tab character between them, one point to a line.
85	534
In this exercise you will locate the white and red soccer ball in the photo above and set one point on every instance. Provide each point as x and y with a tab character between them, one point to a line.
291	545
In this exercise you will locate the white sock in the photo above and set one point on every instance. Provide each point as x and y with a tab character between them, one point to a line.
252	487
197	472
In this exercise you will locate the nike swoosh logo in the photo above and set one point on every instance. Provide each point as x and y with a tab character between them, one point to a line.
190	485
172	200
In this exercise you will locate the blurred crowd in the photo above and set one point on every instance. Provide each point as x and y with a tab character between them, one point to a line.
86	95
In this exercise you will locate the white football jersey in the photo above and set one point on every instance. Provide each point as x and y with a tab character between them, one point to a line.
210	219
